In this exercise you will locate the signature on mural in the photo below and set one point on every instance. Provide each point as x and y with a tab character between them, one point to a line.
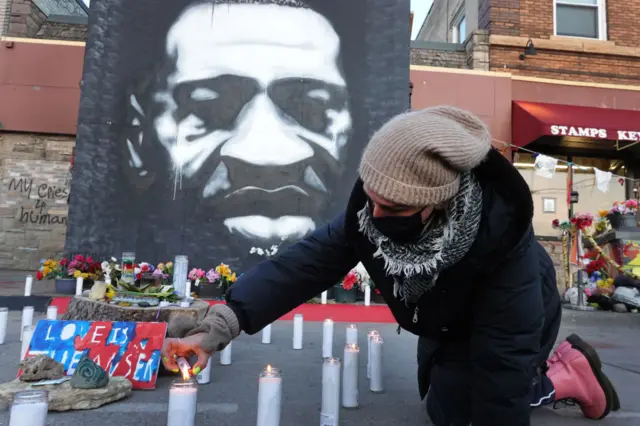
251	108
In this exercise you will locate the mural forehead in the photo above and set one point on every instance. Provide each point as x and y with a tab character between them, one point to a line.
223	126
285	41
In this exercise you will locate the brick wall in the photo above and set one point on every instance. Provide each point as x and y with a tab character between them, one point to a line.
512	22
33	197
27	20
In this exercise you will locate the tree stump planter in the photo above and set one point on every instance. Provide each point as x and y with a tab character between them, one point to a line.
83	309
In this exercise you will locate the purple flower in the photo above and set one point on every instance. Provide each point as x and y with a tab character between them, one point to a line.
212	276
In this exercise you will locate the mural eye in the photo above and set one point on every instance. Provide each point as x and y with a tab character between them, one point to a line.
203	94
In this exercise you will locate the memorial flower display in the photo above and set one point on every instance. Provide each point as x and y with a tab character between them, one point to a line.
51	269
226	277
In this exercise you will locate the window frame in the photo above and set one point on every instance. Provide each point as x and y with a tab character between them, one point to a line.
455	25
600	6
555	205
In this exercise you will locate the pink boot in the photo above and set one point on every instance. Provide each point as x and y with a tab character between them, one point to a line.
575	371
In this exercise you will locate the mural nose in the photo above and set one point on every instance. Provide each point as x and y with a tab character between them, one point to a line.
264	138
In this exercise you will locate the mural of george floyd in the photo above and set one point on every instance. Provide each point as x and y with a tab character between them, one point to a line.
209	128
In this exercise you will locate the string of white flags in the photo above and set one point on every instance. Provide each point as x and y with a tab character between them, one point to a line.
546	166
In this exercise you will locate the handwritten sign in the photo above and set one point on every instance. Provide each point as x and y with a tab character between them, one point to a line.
128	349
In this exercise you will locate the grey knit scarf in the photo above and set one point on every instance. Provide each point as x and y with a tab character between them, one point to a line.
446	239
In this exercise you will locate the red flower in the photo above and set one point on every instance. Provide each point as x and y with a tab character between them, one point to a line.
89	259
555	223
138	276
38	275
80	258
349	281
145	268
64	261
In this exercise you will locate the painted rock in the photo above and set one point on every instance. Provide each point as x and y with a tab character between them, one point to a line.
89	375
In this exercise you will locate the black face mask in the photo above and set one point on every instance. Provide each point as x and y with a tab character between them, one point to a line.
400	229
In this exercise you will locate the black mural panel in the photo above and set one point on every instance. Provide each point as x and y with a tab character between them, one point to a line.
208	128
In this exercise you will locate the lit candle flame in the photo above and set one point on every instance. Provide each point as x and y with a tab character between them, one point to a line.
269	368
184	367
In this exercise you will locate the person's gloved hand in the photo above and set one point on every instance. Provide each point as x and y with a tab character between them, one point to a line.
214	333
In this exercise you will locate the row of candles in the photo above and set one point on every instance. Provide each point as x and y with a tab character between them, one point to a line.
340	378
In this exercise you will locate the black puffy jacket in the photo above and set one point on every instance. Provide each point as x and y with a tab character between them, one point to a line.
492	299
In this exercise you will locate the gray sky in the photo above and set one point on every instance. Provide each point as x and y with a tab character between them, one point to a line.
420	9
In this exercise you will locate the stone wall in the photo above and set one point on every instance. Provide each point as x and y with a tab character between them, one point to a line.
435	57
554	248
34	187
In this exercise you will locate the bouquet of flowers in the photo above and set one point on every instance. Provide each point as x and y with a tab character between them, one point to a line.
196	274
84	267
350	280
51	269
562	225
582	221
164	273
624	207
226	277
111	271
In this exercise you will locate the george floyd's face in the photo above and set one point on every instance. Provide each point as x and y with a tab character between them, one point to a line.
254	115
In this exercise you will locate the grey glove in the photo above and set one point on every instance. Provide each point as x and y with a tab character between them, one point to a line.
220	326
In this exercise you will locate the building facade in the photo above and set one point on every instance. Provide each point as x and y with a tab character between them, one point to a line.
574	66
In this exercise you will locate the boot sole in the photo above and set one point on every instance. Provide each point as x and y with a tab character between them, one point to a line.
596	367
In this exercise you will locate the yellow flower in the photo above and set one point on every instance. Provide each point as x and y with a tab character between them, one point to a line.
169	264
46	271
76	274
233	278
223	270
603	213
160	266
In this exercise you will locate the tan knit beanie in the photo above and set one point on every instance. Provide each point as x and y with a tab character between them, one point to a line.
416	158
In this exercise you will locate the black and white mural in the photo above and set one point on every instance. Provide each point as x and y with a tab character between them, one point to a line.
209	128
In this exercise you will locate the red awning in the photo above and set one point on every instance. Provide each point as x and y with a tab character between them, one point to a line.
531	120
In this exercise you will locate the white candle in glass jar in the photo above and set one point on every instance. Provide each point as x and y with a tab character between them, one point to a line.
27	334
204	376
327	338
376	383
225	355
79	284
323	297
352	334
52	312
266	335
27	319
330	409
370	335
298	322
4	319
183	403
29	408
269	397
350	376
28	285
